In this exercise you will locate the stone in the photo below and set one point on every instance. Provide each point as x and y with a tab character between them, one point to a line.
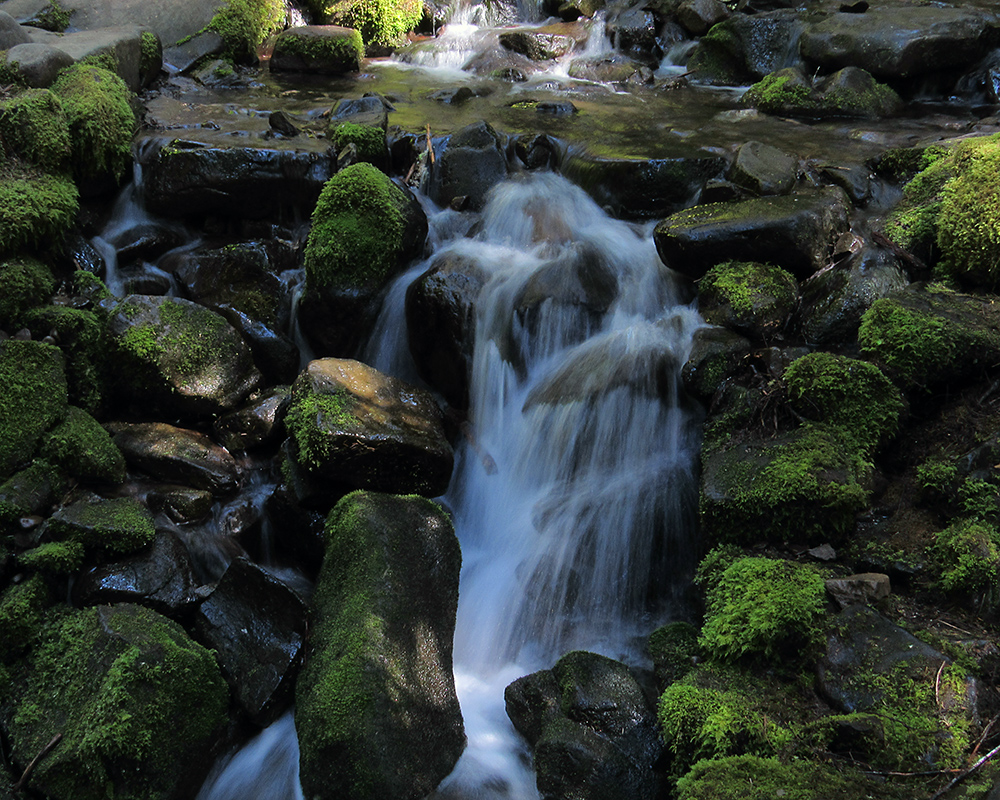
471	164
762	169
715	353
11	33
38	64
117	525
866	588
537	44
746	47
274	354
378	671
697	16
258	424
180	58
319	49
182	504
177	455
122	43
635	32
616	68
750	298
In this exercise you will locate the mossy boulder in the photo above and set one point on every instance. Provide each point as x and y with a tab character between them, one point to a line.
116	525
33	490
967	553
244	25
33	398
674	651
36	209
26	282
748	297
383	24
927	335
912	224
368	140
850	92
33	126
323	49
22	610
100	118
138	704
376	710
745	47
365	229
751	777
716	353
83	449
178	357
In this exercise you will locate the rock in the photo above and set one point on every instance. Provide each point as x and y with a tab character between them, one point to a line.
643	188
182	504
274	354
536	151
615	68
257	424
634	30
178	357
850	92
866	589
697	16
49	217
537	44
118	525
355	427
83	449
142	710
795	232
33	490
256	626
674	650
177	455
182	56
161	578
11	33
746	47
321	49
899	42
38	64
761	169
441	324
121	45
502	64
750	298
378	673
533	703
146	241
470	165
715	353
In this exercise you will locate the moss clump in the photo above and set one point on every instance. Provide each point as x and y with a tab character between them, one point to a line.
369	140
100	119
382	23
309	419
151	53
22	608
82	339
119	525
853	395
778	91
24	283
245	24
346	49
750	777
674	649
33	490
851	92
36	209
53	18
748	296
762	607
84	449
33	125
89	287
138	703
968	554
57	557
357	228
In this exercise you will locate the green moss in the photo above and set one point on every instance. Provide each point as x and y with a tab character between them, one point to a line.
719	57
674	650
853	395
245	24
21	611
356	229
777	92
84	449
34	126
151	57
100	119
749	296
968	555
90	287
57	557
82	339
750	777
382	23
348	48
36	209
33	490
53	18
24	283
119	524
369	140
762	607
309	419
913	345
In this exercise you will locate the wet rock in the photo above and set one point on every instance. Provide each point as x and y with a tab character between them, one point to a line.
256	626
38	64
441	324
855	179
282	123
761	169
536	151
850	92
472	163
537	44
899	42
146	241
177	455
257	424
82	449
615	68
643	188
217	74
571	10
320	49
746	47
532	703
117	525
126	664
31	491
178	357
697	16
865	589
144	278
750	298
715	353
634	31
378	673
834	300
371	110
353	426
795	232
502	64
161	578
275	355
182	504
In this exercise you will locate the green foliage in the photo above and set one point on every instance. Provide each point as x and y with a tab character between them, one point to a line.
968	553
853	395
348	48
762	607
245	24
979	499
100	119
369	140
21	609
36	209
750	777
151	53
936	477
89	287
310	419
84	449
56	557
34	127
24	283
382	23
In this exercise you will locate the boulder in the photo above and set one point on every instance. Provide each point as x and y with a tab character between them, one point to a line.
83	449
866	589
795	232
133	49
38	64
178	357
750	298
698	16
746	47
177	455
370	110
33	490
378	674
849	92
634	30
472	162
256	626
354	427
320	49
258	424
140	710
537	44
274	354
615	68
11	33
181	504
36	208
116	525
715	353
762	169
184	55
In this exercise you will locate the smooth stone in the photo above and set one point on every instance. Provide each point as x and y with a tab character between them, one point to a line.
866	588
38	64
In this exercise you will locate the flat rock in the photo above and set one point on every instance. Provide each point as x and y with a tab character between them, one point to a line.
866	588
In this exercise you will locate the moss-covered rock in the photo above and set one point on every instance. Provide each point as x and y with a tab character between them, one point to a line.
383	24
323	49
33	126
100	119
139	706
245	24
748	297
850	92
369	141
61	558
751	777
36	208
33	398
674	650
912	224
83	449
968	554
33	490
377	678
81	337
22	609
118	525
26	282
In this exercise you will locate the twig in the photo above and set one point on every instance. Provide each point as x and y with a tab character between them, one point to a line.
430	147
986	732
965	774
19	786
932	773
937	685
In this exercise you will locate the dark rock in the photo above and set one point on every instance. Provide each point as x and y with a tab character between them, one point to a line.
715	353
471	164
697	16
746	47
761	169
750	298
181	57
256	626
182	504
274	354
117	525
378	674
371	110
533	702
320	49
281	122
634	31
146	241
865	589
855	179
536	151
257	424
537	44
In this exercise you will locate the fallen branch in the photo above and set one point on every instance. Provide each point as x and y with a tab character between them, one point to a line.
430	147
965	774
19	786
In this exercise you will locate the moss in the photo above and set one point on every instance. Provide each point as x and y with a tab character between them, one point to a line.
778	91
719	57
89	287
762	607
348	48
750	777
24	283
674	650
749	296
853	395
356	229
309	419
53	18
36	209
57	557
968	555
33	398
245	24
81	337
119	524
100	119
369	140
34	126
913	345
84	449
381	23
22	608
33	490
151	53
846	94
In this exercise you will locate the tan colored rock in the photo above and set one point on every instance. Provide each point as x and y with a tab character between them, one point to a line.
866	588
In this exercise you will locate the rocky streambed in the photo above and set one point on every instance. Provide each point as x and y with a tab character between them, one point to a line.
683	312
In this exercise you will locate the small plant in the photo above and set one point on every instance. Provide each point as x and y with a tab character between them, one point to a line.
969	556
